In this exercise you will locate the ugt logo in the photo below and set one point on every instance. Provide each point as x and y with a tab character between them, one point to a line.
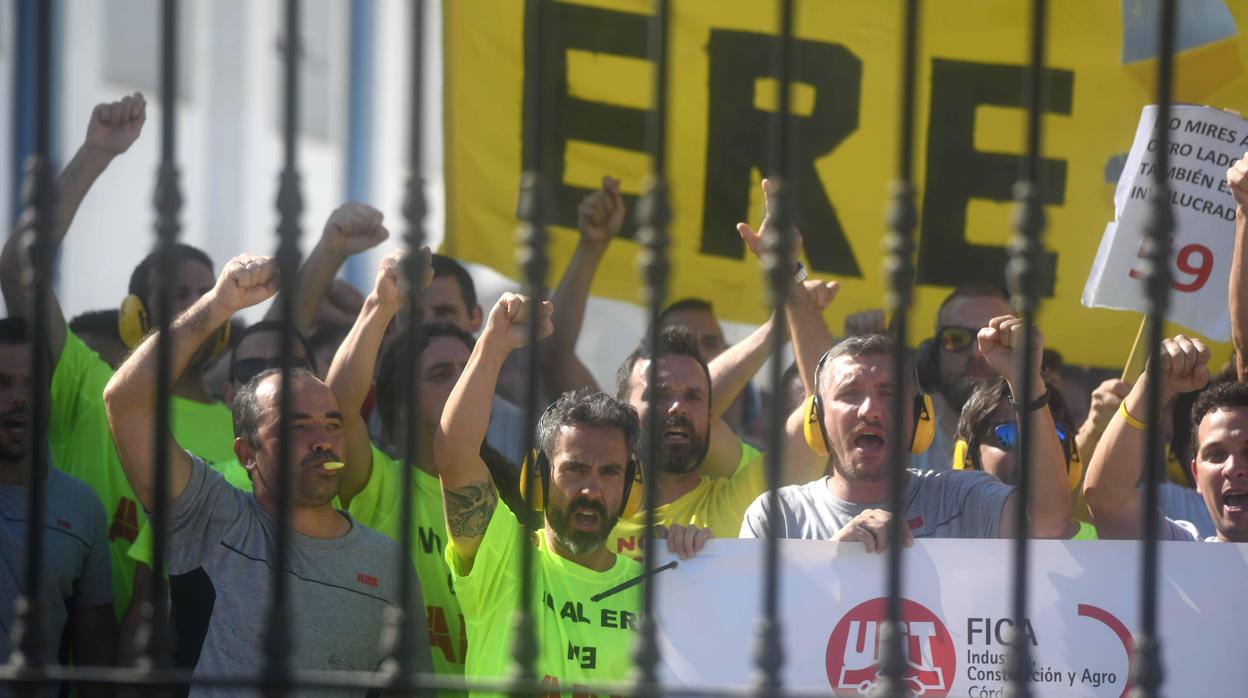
854	649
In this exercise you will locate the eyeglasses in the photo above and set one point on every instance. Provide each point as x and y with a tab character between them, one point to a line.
956	340
244	370
1007	434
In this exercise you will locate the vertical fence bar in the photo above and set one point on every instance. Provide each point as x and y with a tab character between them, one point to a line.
1023	276
153	649
533	211
1147	673
654	216
277	673
27	640
778	245
409	413
899	271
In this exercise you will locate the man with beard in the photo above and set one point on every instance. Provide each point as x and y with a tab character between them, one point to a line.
855	385
686	495
949	366
76	592
586	444
344	581
1219	462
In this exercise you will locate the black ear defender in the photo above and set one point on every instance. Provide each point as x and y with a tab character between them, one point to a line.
816	434
927	365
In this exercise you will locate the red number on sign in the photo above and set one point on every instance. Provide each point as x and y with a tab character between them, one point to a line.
1200	272
1183	260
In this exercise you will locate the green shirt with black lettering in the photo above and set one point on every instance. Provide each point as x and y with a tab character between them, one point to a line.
379	506
82	446
579	641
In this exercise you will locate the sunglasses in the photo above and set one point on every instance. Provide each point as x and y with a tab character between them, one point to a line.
244	370
956	340
1006	434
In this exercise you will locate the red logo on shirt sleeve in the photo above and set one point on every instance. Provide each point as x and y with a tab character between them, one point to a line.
366	579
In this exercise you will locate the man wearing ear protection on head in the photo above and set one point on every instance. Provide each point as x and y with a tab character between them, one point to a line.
850	415
585	465
988	437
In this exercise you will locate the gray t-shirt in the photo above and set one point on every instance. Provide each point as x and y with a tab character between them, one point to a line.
221	555
949	504
1179	530
75	559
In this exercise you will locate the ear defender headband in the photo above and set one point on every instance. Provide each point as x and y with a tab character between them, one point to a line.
133	325
817	435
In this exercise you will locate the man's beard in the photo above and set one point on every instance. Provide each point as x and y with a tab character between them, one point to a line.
678	459
855	473
958	392
574	540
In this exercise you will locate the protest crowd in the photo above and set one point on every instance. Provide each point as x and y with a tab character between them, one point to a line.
471	480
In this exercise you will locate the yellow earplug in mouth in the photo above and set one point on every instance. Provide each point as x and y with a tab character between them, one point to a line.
333	465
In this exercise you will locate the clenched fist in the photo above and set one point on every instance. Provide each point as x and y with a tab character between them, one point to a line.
601	213
1184	366
1237	179
508	324
1105	401
390	286
352	228
114	126
245	281
999	343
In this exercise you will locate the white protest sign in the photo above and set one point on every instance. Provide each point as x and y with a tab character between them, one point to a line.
1204	142
1082	610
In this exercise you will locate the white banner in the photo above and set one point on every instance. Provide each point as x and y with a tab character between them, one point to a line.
1083	605
1204	142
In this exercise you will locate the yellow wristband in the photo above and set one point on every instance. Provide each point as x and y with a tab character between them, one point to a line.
1126	417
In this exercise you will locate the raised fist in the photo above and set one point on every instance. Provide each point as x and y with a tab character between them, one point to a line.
1184	365
352	228
114	126
390	287
245	281
757	241
998	343
601	213
822	292
1237	179
1105	401
508	323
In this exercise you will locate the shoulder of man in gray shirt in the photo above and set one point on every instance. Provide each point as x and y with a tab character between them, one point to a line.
949	504
341	591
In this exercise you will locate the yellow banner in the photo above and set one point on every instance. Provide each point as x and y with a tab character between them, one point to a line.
968	145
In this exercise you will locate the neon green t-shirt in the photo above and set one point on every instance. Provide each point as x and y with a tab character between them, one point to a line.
716	503
578	640
234	473
82	446
379	506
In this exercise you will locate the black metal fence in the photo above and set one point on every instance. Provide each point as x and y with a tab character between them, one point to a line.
30	672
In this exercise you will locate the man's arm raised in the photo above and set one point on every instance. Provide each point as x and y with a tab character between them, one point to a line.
1109	487
113	127
352	228
1049	509
130	396
351	374
1237	179
468	493
599	219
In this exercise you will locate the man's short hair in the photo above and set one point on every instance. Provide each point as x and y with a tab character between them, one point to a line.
96	322
588	408
679	341
246	408
390	390
857	347
975	289
700	305
140	278
1224	396
444	266
14	330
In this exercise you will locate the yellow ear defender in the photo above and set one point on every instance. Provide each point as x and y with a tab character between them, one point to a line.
920	439
960	455
535	480
133	325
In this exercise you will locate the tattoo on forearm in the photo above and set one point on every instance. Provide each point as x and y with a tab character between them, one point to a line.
468	509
